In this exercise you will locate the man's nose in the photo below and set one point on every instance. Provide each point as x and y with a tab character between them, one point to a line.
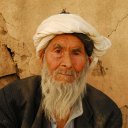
66	60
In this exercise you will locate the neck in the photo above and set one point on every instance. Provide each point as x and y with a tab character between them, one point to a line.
61	122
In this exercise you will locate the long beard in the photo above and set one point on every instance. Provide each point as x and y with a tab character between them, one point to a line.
59	97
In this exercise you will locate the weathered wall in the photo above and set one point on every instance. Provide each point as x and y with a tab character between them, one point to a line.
20	18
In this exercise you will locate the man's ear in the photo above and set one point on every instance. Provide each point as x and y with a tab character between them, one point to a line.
90	60
41	56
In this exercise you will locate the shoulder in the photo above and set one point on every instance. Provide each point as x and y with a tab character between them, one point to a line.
17	98
22	89
98	99
102	105
104	109
28	83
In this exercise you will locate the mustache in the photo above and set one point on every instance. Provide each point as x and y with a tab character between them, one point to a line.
69	72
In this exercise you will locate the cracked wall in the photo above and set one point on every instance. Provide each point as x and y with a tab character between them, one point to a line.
19	20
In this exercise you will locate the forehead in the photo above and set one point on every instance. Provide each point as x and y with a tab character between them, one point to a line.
66	40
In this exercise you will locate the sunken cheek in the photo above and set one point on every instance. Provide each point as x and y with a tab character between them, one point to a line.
78	63
52	61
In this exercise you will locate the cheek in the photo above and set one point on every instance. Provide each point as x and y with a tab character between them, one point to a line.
52	62
79	63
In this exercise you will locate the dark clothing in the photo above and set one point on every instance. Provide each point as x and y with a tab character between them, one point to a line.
20	107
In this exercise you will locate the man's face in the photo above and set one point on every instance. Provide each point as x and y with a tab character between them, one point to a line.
65	57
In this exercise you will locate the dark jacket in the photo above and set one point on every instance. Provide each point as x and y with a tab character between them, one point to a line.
20	107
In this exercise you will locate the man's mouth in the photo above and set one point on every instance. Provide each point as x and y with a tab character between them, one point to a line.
65	74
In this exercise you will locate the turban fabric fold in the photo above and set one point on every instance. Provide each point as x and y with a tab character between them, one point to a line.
70	23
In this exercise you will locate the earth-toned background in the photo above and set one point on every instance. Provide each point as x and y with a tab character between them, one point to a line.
20	18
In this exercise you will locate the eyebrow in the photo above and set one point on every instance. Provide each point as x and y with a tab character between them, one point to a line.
58	46
77	49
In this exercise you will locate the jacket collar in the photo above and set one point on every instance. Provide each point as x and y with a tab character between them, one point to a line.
86	119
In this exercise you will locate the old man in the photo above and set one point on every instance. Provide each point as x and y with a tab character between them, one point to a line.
68	47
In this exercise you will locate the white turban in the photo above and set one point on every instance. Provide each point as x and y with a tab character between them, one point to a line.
69	23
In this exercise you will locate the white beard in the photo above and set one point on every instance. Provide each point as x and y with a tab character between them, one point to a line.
59	97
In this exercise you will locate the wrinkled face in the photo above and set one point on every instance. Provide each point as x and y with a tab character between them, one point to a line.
65	57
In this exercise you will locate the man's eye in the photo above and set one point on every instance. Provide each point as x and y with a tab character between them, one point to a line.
58	50
76	53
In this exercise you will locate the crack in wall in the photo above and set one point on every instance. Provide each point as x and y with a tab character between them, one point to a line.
117	25
12	54
5	40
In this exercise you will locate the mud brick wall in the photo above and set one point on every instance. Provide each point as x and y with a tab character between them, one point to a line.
20	18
